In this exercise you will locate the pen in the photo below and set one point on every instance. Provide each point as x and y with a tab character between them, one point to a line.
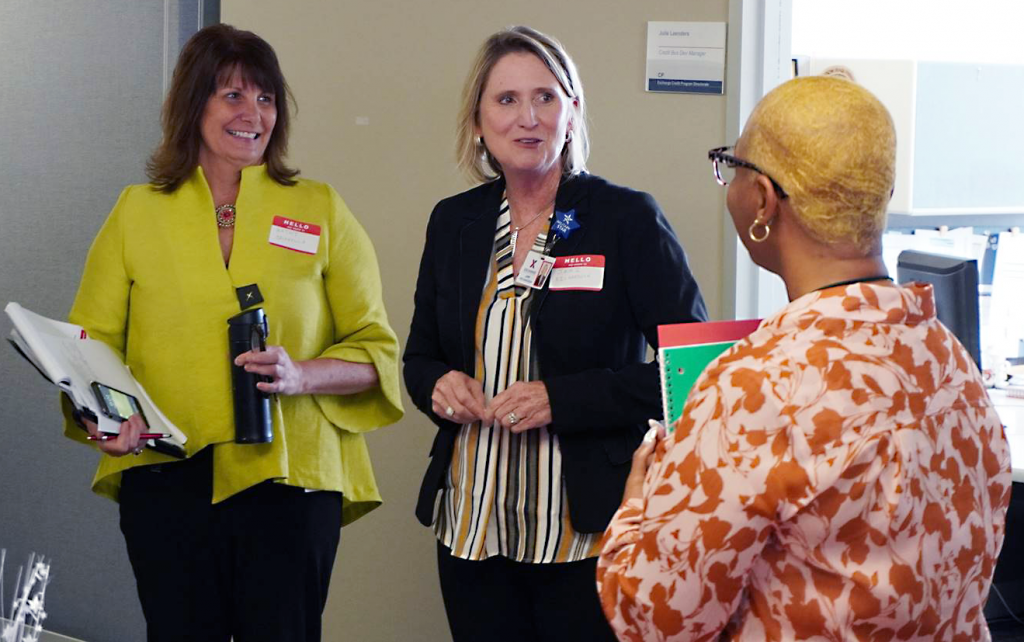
146	435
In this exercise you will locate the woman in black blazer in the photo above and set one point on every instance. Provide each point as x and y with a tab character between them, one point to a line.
538	294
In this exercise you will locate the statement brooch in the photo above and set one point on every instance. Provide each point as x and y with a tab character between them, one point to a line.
565	223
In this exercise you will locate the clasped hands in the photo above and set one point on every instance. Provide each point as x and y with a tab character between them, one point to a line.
521	407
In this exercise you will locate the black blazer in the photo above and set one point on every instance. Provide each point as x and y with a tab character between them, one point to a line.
591	346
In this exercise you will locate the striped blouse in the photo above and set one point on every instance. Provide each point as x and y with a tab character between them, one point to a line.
504	493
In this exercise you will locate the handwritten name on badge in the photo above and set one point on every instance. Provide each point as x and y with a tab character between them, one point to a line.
581	272
294	235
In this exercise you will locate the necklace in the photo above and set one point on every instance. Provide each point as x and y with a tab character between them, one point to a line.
515	230
225	215
866	279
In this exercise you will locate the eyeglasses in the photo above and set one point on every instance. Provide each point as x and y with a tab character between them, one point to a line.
725	165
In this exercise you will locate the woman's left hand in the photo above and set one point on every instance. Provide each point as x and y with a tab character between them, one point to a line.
642	458
274	362
522	406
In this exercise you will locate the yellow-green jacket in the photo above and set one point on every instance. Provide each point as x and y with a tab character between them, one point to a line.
155	289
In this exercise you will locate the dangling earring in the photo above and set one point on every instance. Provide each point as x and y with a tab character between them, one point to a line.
754	237
479	141
568	136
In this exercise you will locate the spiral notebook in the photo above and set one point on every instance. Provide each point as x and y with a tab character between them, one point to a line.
685	350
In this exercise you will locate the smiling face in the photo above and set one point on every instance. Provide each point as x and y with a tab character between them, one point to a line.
237	124
524	115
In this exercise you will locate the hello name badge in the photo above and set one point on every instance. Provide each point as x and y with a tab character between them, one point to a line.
581	272
294	235
535	270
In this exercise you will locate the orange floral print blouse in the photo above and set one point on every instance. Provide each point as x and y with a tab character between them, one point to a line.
839	475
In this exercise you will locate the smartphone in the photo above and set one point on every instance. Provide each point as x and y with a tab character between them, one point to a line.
116	404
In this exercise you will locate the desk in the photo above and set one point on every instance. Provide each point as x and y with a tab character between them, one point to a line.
47	636
1011	412
1008	577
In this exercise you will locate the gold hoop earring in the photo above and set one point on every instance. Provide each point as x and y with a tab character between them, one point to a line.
754	237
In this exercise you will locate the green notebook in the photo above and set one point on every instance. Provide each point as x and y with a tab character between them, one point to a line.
685	350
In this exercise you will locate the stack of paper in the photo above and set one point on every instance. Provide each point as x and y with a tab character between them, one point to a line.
65	356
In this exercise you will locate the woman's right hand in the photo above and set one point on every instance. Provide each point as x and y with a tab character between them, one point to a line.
127	441
643	456
460	398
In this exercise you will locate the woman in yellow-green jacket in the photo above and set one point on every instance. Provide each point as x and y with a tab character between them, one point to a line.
232	540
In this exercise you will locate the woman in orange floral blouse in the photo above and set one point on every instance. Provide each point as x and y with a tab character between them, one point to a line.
840	474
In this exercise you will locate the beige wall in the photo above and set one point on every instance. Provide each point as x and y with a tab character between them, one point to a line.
401	65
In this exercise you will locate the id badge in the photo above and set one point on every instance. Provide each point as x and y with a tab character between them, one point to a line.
535	270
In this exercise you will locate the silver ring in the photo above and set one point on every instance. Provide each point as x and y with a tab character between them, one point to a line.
512	419
449	411
137	452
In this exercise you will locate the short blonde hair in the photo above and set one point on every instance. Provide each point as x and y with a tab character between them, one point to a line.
470	154
832	146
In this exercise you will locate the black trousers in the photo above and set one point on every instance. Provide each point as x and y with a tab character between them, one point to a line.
255	567
499	600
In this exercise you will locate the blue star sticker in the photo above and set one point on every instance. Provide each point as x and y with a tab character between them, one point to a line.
565	223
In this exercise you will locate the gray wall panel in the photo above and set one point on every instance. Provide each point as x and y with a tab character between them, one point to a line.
80	92
968	136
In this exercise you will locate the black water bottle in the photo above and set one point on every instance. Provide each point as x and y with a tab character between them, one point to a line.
253	423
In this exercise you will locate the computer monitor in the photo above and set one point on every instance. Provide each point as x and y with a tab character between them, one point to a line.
956	292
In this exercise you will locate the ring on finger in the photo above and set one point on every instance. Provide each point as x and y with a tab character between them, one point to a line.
449	411
512	419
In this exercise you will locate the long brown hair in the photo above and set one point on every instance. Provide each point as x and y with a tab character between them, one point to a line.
207	60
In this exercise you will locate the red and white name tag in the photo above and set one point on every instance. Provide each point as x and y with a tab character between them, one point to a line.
581	272
295	235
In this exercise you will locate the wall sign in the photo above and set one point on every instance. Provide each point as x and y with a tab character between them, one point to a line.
686	57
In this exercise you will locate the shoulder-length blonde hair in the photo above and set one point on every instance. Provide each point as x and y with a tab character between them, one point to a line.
472	156
207	60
